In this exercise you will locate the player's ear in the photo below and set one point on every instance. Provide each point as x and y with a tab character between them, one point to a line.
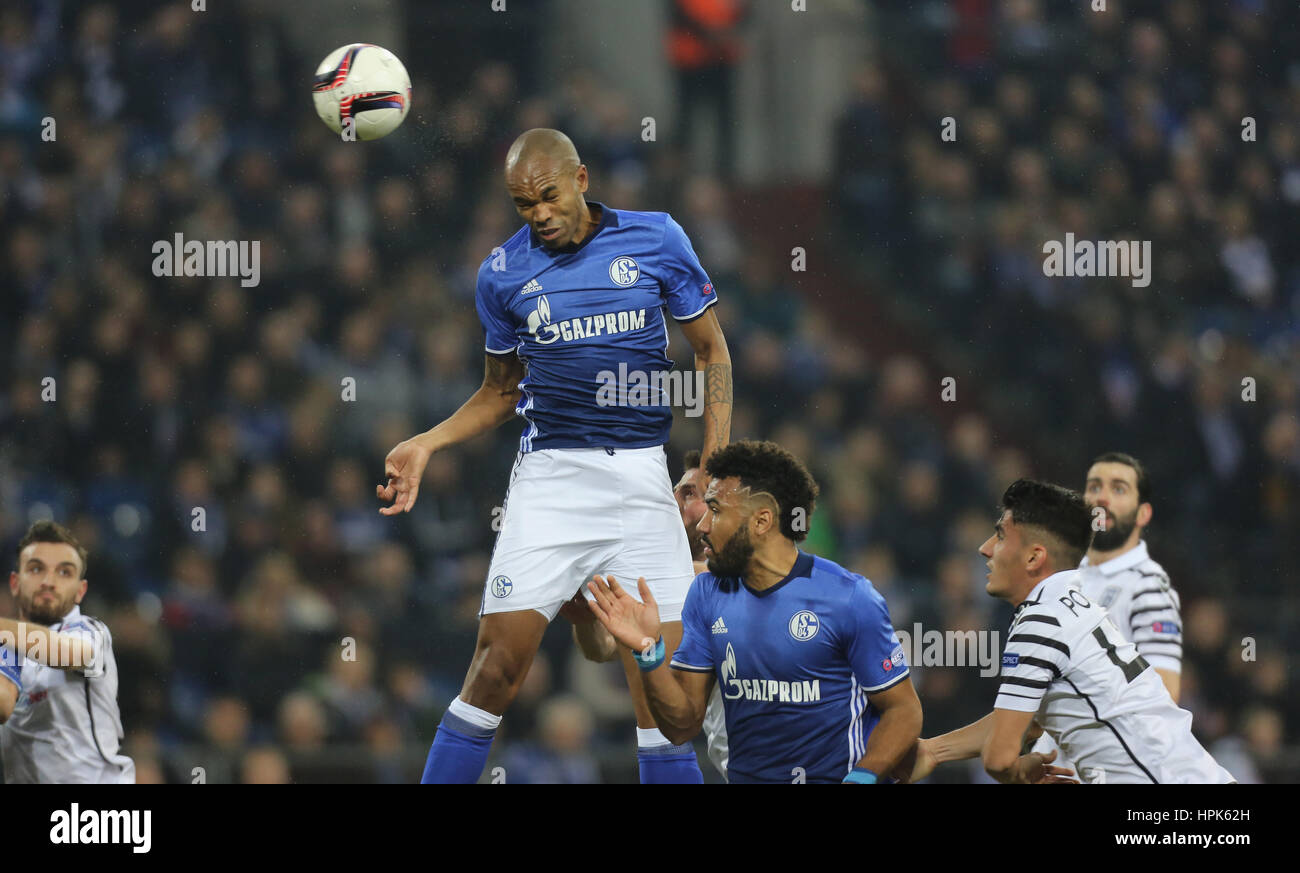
1144	514
13	583
81	590
1037	557
762	517
582	178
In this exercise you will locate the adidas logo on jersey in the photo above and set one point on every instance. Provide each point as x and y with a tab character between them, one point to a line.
533	285
719	626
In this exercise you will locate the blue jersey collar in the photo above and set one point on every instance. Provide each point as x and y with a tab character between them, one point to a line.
803	566
607	219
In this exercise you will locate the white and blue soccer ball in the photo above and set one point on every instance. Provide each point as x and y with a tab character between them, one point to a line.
362	87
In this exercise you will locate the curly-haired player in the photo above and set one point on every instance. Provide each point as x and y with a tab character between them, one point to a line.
815	686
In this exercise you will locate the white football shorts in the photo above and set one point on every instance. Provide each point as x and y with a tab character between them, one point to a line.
572	513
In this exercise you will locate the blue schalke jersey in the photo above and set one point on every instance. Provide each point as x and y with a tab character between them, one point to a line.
588	322
795	664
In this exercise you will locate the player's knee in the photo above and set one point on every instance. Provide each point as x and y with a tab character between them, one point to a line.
498	673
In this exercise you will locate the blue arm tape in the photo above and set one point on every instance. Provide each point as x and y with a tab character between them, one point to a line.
656	657
862	776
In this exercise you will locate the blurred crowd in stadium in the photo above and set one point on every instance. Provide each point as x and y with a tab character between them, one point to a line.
298	634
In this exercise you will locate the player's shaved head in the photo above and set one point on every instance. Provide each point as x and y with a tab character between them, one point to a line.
542	145
546	181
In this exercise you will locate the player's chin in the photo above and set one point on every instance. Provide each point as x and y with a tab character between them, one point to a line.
45	616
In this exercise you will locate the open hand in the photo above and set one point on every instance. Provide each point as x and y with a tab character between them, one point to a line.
632	624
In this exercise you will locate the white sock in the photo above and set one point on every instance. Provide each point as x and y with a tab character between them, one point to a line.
650	737
474	715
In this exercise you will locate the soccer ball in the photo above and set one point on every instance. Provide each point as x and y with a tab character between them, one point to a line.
362	91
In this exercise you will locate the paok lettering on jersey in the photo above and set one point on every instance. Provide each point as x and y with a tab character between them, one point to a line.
1095	694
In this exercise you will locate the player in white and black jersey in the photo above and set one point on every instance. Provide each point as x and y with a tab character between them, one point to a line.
1067	666
1119	574
58	701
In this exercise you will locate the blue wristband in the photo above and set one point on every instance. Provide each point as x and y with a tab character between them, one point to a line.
862	776
656	657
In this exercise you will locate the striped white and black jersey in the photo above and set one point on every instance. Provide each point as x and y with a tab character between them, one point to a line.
1135	591
65	727
1094	694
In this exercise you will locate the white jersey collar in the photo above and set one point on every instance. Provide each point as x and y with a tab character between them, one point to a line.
73	615
1038	590
1131	558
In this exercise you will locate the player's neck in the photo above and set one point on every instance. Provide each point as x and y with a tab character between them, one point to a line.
591	216
1097	556
1028	586
768	568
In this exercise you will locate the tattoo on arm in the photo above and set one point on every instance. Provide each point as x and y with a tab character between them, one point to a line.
501	376
717	403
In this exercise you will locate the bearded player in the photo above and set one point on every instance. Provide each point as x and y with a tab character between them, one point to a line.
580	292
1067	667
59	701
1119	574
814	681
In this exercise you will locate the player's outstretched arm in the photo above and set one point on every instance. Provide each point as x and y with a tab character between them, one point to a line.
1001	753
490	406
677	700
897	731
958	745
714	360
62	651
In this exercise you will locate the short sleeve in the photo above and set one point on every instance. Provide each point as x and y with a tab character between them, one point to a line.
86	628
873	649
694	654
1033	659
498	328
1155	627
687	288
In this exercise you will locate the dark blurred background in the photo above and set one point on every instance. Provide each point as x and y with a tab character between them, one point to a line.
773	129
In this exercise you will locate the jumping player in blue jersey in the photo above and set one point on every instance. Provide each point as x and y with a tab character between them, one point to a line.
815	686
580	293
